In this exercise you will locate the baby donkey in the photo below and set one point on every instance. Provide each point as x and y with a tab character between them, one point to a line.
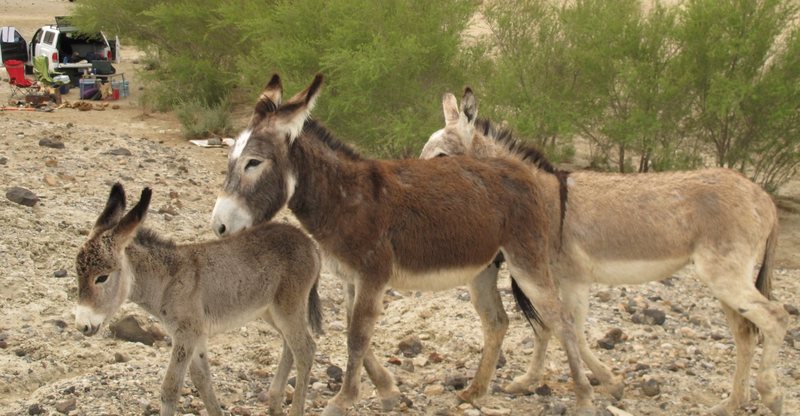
198	290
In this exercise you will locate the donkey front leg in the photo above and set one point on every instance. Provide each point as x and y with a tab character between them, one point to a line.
380	376
367	306
200	374
182	352
486	300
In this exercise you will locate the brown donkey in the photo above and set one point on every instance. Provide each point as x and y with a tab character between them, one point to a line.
198	290
636	228
409	224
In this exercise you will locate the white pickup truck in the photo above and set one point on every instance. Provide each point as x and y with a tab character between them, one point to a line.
68	50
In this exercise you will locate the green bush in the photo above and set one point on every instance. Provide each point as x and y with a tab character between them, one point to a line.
652	88
200	119
386	63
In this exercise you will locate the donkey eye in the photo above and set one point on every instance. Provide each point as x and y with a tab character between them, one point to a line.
100	279
252	163
441	155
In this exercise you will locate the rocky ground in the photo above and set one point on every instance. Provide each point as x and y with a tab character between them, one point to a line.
48	367
431	341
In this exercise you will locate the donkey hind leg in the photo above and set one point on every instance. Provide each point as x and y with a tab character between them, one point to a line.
201	377
576	299
182	353
527	382
745	340
540	288
299	343
381	377
277	387
367	306
740	294
486	300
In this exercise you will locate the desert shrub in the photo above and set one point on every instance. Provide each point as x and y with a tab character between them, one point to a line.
199	119
741	58
386	63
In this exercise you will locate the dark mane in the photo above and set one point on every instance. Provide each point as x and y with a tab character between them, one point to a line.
316	130
505	137
149	238
527	153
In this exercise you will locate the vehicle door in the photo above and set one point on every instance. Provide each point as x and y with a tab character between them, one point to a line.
12	45
32	47
48	47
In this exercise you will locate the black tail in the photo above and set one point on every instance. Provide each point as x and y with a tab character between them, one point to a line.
525	305
315	310
764	279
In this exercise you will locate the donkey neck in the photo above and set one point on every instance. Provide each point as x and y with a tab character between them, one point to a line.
328	180
153	264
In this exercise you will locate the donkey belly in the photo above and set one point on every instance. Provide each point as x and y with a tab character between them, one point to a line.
435	279
619	271
234	319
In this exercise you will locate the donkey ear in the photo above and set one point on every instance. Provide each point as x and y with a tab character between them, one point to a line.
293	114
270	98
450	108
468	105
111	214
125	230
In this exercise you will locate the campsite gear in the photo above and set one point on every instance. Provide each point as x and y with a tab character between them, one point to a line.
89	89
102	68
42	72
12	45
20	86
55	41
121	88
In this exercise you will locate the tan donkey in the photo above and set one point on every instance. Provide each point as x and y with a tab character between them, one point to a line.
634	228
198	290
408	224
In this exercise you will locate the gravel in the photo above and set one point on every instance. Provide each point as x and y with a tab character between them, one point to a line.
685	347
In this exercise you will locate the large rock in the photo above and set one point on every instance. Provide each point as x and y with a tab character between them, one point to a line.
649	317
51	143
22	196
133	329
410	346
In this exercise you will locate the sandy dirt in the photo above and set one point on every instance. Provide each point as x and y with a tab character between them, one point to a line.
48	367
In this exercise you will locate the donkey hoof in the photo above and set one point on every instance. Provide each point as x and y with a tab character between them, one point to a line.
469	395
585	412
724	408
616	390
390	401
333	410
774	403
517	389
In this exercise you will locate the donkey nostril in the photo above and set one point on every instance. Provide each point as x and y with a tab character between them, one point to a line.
221	229
85	329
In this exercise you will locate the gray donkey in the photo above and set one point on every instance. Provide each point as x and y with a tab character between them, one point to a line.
628	229
198	290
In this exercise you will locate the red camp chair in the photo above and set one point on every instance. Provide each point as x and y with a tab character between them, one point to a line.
20	86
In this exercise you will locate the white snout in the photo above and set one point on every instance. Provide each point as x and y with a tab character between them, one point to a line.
229	216
87	320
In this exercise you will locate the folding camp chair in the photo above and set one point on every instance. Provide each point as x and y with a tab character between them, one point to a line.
20	86
42	72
